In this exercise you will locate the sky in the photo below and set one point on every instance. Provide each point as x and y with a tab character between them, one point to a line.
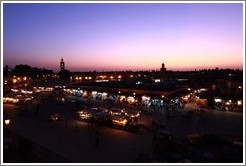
130	36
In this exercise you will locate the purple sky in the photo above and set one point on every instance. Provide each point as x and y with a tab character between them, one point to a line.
123	36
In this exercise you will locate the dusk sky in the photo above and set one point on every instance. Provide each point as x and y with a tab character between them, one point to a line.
123	36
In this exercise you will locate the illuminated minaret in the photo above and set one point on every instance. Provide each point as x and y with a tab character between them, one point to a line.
62	65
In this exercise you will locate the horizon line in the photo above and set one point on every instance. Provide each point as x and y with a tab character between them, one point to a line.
136	70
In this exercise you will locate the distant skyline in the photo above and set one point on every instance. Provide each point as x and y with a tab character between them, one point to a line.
123	36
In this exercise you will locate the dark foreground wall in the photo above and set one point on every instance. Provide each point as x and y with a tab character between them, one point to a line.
17	149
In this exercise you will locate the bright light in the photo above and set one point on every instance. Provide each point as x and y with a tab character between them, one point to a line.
104	95
122	98
101	80
14	81
139	83
26	92
49	89
130	99
186	98
119	121
218	100
10	99
14	90
94	94
7	122
145	98
85	115
102	77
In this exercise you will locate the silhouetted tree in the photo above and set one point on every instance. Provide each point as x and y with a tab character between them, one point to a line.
36	72
47	72
26	70
22	70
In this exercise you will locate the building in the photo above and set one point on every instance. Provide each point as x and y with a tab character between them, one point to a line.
163	73
62	65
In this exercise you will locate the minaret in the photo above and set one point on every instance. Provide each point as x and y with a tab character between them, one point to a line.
163	67
162	72
62	65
